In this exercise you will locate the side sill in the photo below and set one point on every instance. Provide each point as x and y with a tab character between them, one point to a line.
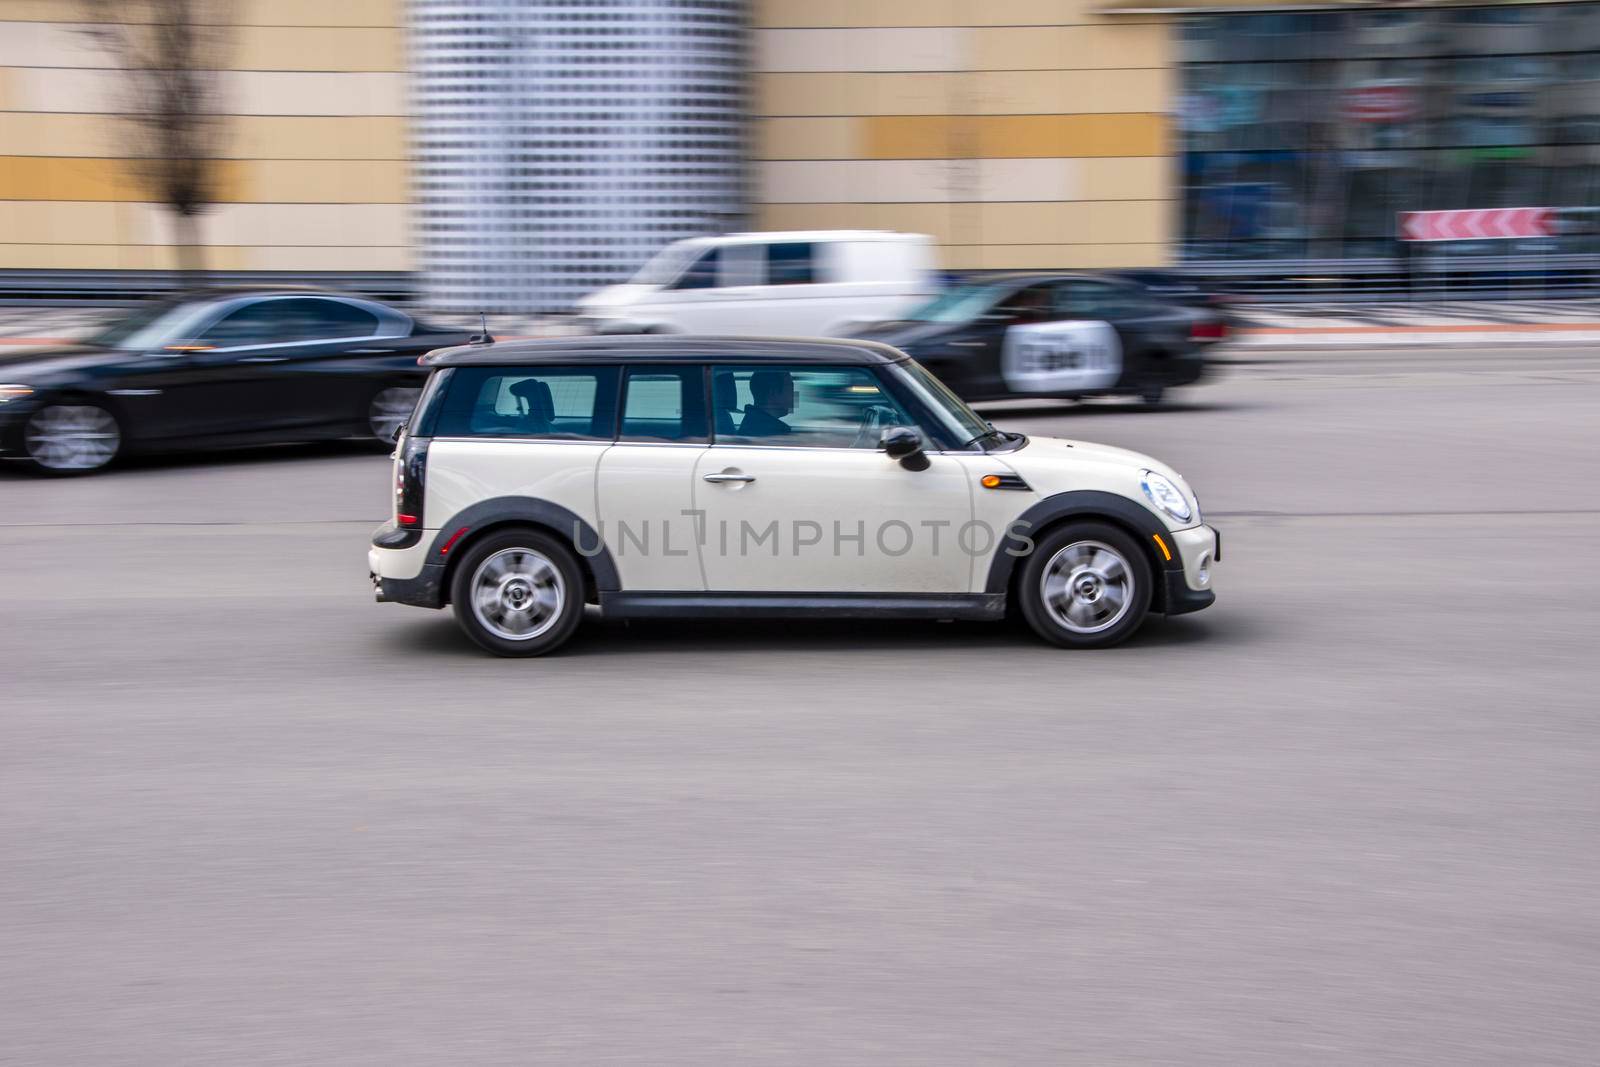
686	605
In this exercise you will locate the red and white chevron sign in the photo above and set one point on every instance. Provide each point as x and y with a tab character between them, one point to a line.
1487	224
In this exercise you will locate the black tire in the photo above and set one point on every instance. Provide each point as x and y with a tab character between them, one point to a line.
71	437
492	621
1083	552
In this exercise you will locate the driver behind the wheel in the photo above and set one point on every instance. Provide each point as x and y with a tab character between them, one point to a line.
773	394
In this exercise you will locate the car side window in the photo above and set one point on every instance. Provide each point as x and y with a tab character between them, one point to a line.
791	263
1029	304
803	406
703	273
560	403
1094	300
285	321
665	404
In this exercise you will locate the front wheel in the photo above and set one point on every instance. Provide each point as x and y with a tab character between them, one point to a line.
1086	585
71	438
518	593
389	409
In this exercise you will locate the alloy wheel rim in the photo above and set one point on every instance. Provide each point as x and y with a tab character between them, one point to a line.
72	437
517	594
1087	587
389	409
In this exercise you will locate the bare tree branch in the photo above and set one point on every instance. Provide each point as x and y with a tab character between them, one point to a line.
170	55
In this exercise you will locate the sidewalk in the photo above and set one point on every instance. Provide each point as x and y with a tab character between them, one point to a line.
1551	323
1457	323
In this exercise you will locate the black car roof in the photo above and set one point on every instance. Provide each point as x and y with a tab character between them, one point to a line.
1022	277
643	348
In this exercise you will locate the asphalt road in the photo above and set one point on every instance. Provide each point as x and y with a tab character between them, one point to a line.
1348	815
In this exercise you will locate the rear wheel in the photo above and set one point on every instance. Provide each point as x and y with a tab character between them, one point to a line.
389	409
1086	585
71	438
518	593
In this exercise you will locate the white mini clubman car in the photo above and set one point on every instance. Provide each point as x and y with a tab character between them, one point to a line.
739	478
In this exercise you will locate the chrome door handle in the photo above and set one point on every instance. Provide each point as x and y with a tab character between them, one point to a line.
264	359
730	477
966	344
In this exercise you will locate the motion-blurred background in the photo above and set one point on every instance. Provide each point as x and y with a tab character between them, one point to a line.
512	155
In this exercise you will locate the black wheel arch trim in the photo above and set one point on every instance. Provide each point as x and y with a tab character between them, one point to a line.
522	510
1086	504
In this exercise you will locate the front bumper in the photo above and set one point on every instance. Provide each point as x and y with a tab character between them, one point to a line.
1190	589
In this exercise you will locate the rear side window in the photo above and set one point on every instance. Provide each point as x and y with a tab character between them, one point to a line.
664	404
287	320
559	403
791	263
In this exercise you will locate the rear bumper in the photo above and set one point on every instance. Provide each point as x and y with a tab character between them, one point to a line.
426	590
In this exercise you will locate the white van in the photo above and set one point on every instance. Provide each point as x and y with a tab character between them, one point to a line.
808	283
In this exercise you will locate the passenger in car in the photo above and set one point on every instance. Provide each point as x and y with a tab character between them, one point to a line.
773	393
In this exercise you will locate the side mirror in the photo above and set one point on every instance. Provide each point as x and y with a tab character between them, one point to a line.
905	445
399	432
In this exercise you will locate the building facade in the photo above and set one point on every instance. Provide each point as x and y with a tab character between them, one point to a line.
313	176
513	154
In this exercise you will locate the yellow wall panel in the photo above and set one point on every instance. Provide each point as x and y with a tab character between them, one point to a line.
245	12
247	136
819	13
1013	136
856	94
240	181
319	48
317	137
1145	222
918	137
316	181
1029	92
933	219
32	178
795	138
321	13
1148	178
1114	45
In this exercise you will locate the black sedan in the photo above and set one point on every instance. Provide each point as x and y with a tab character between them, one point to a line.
1055	335
213	369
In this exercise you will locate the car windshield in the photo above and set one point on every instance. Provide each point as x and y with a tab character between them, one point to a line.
668	263
960	421
961	304
140	328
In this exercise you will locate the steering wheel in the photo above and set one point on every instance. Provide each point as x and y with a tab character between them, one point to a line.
873	422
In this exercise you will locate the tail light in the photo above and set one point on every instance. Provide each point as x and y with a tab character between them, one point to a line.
410	469
1215	330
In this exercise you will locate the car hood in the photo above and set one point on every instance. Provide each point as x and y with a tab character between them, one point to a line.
1053	465
30	363
617	296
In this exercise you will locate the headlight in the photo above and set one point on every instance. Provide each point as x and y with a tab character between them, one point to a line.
14	392
1164	495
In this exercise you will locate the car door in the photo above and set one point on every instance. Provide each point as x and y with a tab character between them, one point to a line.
970	356
1078	347
645	484
800	498
209	382
308	352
